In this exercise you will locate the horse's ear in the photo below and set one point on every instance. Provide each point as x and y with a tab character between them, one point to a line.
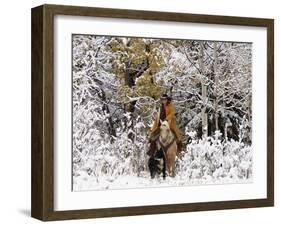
161	121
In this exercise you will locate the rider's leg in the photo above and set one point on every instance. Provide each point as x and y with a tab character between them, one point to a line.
152	147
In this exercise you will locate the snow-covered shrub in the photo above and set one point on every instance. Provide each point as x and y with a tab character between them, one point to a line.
213	160
102	162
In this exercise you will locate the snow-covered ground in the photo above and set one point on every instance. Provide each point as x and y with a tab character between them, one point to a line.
205	162
86	183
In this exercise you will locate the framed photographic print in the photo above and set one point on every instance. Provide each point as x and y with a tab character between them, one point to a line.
141	112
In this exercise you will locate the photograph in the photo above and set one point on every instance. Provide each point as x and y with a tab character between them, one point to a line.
156	112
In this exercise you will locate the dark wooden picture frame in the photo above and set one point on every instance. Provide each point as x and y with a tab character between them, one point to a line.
42	203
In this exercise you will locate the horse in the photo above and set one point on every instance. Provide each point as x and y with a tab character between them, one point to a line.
167	141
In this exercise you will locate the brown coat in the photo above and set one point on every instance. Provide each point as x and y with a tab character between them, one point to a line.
170	117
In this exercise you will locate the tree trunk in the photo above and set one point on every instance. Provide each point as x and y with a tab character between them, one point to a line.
106	109
216	83
204	93
132	72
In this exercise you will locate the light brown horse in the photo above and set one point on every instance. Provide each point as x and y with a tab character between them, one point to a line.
167	141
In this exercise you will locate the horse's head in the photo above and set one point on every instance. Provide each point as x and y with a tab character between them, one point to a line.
164	124
164	128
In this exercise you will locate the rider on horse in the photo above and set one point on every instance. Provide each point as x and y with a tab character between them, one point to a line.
167	113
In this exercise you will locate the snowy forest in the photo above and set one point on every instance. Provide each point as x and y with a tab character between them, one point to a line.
117	83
